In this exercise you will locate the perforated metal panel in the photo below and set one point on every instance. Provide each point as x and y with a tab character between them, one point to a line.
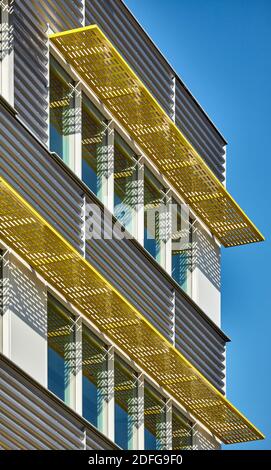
94	57
26	232
54	191
122	28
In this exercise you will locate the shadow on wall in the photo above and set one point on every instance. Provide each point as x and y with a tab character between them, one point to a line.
206	257
27	297
6	31
204	441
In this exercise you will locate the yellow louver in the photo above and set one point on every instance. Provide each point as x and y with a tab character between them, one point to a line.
39	244
105	71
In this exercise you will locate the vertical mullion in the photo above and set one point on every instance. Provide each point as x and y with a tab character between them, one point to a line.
109	190
140	411
78	366
140	203
109	418
168	425
77	137
7	62
168	239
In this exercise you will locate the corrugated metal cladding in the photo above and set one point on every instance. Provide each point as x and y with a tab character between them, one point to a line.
32	419
50	187
198	341
198	131
31	20
139	51
29	168
126	34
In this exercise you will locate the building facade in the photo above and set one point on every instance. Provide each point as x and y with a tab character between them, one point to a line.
112	216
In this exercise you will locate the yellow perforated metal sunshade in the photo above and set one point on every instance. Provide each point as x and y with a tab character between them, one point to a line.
38	243
104	70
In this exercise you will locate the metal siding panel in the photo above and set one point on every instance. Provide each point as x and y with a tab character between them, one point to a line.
127	36
200	343
197	129
33	419
27	165
146	60
31	20
138	283
30	67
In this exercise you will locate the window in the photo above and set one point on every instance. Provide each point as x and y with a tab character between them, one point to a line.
61	351
182	248
181	431
154	420
94	376
154	217
125	388
6	52
125	184
62	113
94	148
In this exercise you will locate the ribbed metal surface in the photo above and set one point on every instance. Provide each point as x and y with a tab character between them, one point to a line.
134	276
26	165
139	51
198	341
60	14
31	418
31	20
30	67
198	131
113	17
49	188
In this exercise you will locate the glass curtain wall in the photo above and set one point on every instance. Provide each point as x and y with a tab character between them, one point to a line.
126	404
62	113
181	432
182	248
94	149
125	184
94	377
61	351
154	419
155	227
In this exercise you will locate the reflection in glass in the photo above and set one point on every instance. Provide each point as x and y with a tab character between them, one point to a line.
61	351
182	250
154	420
154	217
181	432
125	184
125	389
94	370
94	148
62	112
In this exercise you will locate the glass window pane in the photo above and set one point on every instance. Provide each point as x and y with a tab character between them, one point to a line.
182	249
94	387
181	432
61	351
125	184
125	392
154	420
62	112
94	148
154	211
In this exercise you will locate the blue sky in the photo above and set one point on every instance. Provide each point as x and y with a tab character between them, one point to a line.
222	51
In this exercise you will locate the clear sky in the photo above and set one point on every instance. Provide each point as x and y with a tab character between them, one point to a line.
222	51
